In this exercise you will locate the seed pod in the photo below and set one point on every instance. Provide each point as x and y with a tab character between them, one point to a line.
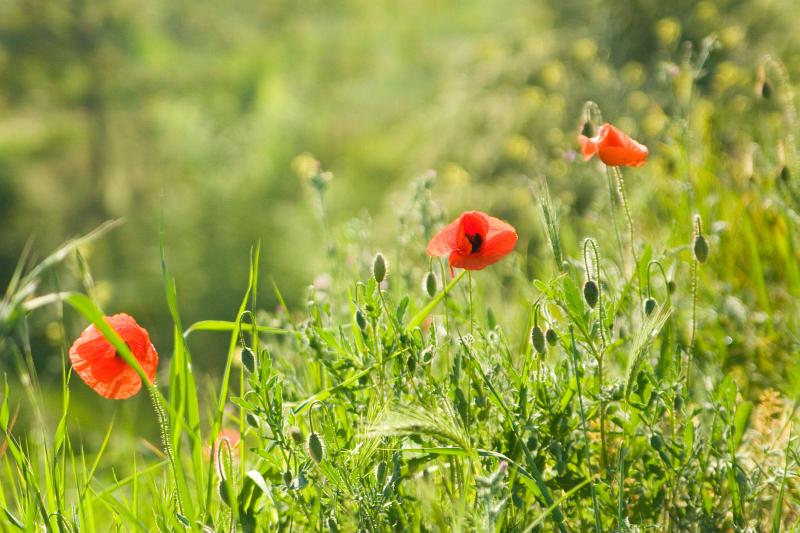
248	359
379	267
296	434
551	336
587	129
649	306
380	473
537	339
361	320
252	420
700	249
315	447
591	293
431	284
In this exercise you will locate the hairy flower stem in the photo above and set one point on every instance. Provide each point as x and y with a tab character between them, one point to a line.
612	204
574	350
471	321
590	273
163	424
623	197
690	355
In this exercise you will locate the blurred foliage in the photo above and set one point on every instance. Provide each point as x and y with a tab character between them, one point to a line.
199	110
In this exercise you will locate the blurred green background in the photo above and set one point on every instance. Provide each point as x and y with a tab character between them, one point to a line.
204	109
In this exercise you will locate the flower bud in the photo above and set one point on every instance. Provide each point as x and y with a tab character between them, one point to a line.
315	447
427	355
380	473
656	441
649	306
537	339
361	320
379	267
224	494
430	284
764	89
700	248
333	526
784	174
296	434
551	336
252	420
249	359
411	362
287	478
591	293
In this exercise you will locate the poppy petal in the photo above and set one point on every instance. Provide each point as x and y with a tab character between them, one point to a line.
588	147
471	223
444	242
97	363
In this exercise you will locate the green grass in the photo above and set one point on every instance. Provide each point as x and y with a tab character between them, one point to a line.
437	412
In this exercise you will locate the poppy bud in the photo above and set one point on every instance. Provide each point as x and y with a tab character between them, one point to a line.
533	442
700	249
380	473
333	526
656	441
551	336
591	293
671	286
361	320
296	434
587	130
224	494
427	355
764	90
249	360
379	267
430	284
287	477
315	447
537	339
252	420
784	174
677	403
649	306
411	362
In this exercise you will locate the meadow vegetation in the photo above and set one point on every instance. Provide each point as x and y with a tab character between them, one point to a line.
631	365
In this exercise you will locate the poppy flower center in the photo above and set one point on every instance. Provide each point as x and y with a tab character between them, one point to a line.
476	241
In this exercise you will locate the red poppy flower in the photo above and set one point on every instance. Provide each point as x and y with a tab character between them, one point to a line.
473	241
97	363
613	147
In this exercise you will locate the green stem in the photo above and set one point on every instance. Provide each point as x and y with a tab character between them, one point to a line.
574	351
623	196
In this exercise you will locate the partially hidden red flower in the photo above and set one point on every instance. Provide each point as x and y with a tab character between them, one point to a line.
613	147
473	241
99	365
